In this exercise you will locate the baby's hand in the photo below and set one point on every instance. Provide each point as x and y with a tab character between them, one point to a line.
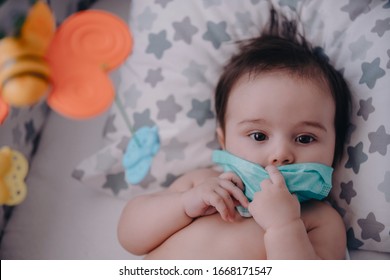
220	194
274	205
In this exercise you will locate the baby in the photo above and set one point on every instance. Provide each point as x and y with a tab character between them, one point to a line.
278	103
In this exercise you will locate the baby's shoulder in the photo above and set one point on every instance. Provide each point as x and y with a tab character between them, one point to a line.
202	173
318	213
325	229
193	178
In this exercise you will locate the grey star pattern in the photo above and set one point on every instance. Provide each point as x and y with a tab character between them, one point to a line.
381	26
154	76
366	108
347	191
122	145
116	182
244	21
78	174
195	73
388	63
174	150
338	38
131	96
292	4
146	19
379	141
184	30
143	119
148	180
168	109
371	73
170	178
30	131
351	129
385	186
209	3
356	157
216	33
109	126
104	161
201	111
370	227
355	8
352	241
359	48
158	44
163	3
16	135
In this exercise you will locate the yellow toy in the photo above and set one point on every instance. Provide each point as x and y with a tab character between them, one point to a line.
24	72
13	170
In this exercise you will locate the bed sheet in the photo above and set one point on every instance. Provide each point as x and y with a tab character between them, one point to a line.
61	218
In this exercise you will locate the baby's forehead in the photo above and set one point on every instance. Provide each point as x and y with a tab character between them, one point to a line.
316	78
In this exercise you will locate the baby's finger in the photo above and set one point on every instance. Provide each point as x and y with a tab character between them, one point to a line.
235	192
231	176
218	202
275	176
228	201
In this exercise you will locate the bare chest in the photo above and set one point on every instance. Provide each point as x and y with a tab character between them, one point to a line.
212	238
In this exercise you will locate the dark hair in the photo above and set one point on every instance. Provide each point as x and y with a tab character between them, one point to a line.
283	49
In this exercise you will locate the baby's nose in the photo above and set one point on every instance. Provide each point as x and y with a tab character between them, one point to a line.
282	156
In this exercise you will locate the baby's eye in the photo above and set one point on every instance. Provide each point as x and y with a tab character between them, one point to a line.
305	139
258	136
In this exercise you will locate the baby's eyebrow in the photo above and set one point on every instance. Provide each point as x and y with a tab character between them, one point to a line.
314	124
253	121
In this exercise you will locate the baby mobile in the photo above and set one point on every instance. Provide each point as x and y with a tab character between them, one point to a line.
68	66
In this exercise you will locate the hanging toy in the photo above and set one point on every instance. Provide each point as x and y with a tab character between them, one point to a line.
24	73
74	61
85	47
13	170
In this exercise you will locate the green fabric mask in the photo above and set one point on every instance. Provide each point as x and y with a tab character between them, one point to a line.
305	180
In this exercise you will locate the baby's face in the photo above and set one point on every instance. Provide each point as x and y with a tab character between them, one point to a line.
279	119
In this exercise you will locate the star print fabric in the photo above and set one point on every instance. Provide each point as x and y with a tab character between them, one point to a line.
169	81
357	42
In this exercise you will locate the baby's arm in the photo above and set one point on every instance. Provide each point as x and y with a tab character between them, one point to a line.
286	236
147	221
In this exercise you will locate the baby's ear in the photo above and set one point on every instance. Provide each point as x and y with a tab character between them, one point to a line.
221	137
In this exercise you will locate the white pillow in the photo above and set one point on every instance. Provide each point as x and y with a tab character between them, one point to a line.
169	81
355	35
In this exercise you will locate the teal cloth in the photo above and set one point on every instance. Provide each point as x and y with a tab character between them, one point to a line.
305	180
139	154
